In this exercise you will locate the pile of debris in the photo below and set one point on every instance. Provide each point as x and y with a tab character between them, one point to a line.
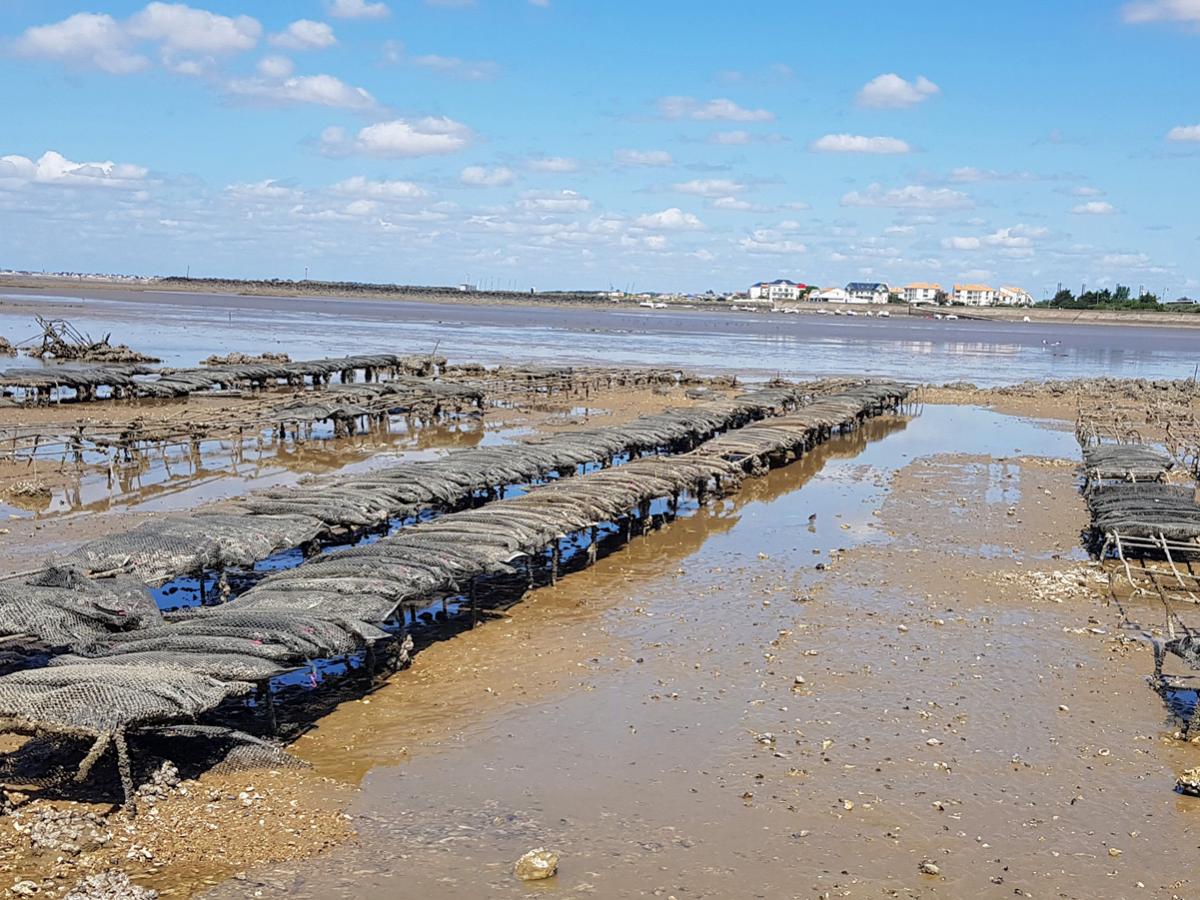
245	359
62	341
6	349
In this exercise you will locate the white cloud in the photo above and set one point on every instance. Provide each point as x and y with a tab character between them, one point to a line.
430	136
480	176
1094	208
730	138
732	203
1162	11
962	243
360	186
319	90
54	168
181	28
357	9
970	174
305	34
643	157
710	187
913	196
1007	240
468	70
275	67
1184	133
553	164
769	241
1125	260
555	202
890	91
855	143
263	190
673	219
84	39
710	110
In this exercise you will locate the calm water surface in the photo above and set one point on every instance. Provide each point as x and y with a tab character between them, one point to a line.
183	328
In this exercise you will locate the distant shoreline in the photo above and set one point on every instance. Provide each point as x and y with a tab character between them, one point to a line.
402	293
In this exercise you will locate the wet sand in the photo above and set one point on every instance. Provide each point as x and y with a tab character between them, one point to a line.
966	700
750	702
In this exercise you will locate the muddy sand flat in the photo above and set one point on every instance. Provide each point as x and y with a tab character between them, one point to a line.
708	714
885	669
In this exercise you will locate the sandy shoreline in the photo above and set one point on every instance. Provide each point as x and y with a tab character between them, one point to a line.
891	651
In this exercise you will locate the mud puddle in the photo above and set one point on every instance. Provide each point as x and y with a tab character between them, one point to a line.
755	703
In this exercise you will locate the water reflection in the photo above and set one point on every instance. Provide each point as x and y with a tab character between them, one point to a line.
186	328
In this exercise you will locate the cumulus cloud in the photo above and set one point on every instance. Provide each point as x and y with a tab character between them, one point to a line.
305	34
430	136
673	219
855	143
1125	260
181	28
913	196
480	176
732	203
1094	208
553	164
188	39
1184	133
730	138
970	174
84	39
720	109
962	243
270	189
710	187
467	70
890	91
643	157
319	90
554	202
357	9
1016	240
771	242
55	169
1162	11
361	186
275	67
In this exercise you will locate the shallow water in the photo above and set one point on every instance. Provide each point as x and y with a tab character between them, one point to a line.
184	328
631	759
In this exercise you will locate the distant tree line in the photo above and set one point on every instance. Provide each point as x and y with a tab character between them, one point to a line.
1119	298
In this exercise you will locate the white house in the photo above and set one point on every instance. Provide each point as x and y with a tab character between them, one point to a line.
834	295
1013	296
780	289
921	292
868	291
974	294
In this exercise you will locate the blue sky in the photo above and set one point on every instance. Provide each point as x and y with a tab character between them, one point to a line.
558	143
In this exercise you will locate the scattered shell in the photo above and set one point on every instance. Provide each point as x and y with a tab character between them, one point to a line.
537	864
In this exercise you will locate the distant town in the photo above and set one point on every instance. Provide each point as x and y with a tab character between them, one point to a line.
779	295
